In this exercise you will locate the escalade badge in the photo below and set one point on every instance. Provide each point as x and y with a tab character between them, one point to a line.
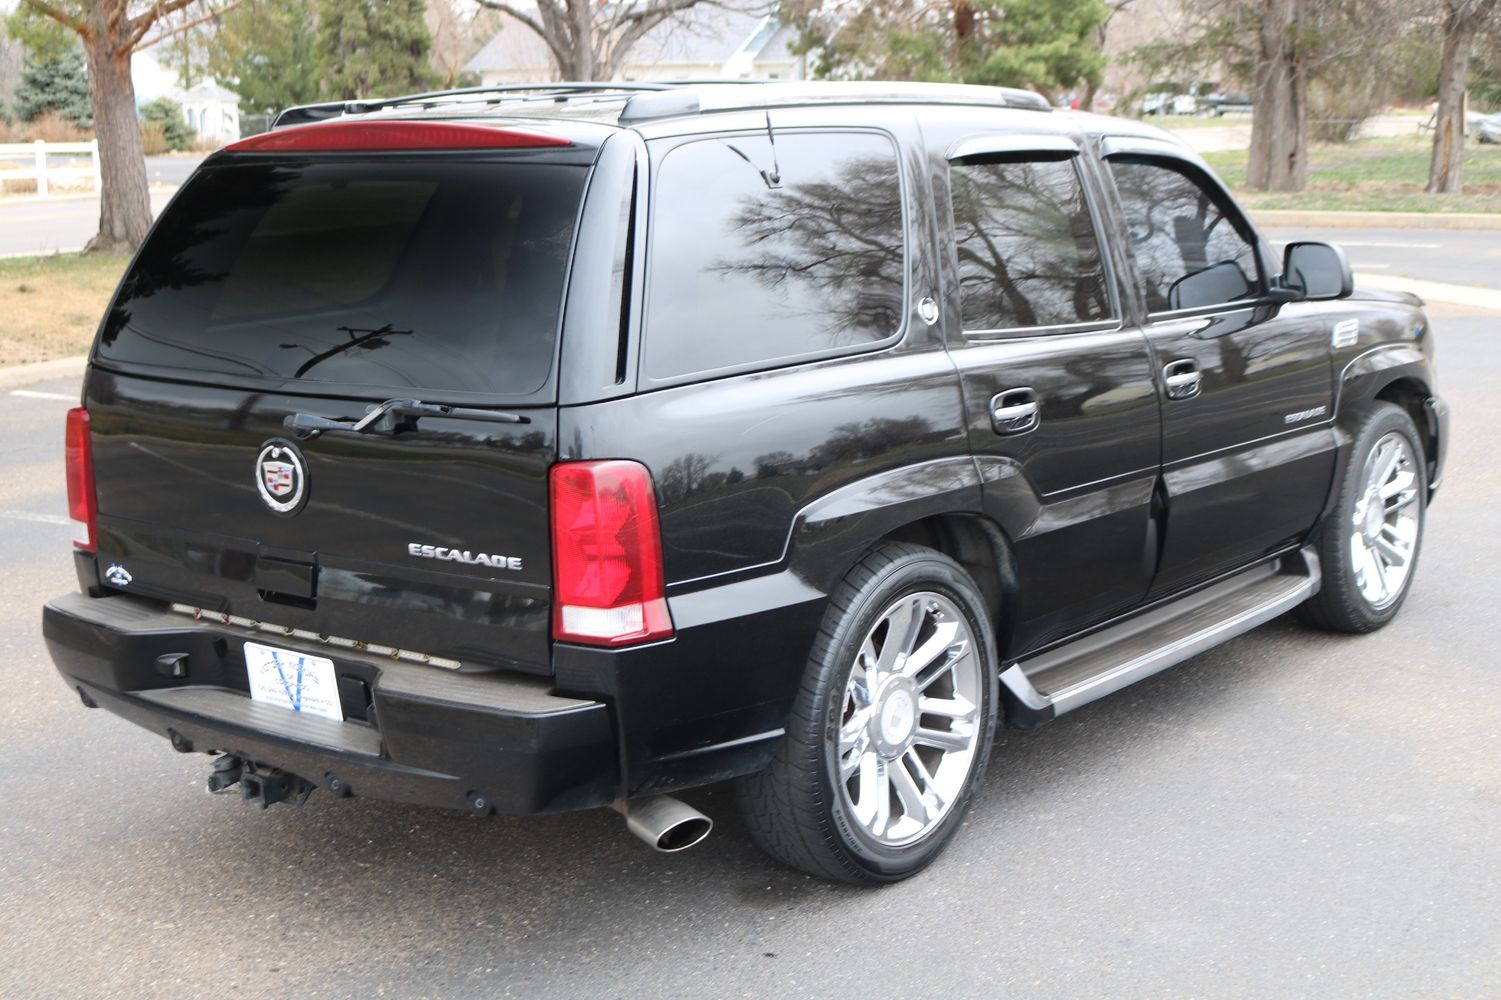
281	476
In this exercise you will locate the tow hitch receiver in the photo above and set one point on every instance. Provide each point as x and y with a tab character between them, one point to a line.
262	785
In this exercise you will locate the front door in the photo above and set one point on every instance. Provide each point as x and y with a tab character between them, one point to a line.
1247	440
1059	392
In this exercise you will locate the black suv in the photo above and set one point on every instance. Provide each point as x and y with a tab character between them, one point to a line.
545	448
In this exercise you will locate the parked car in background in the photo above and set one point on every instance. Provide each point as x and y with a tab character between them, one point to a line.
1488	129
556	447
1218	103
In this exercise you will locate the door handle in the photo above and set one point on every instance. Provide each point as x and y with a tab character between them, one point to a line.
1182	379
1014	411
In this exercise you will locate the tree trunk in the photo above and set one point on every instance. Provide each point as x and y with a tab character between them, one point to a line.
1447	168
584	70
1279	129
124	196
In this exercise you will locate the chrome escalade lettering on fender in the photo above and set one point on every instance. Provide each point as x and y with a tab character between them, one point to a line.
463	556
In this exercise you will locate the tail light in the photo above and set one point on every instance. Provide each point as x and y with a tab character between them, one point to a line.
606	555
78	455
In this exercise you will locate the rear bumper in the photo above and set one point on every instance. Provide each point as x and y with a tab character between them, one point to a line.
412	733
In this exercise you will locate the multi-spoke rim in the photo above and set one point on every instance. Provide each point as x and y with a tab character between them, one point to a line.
1385	523
910	720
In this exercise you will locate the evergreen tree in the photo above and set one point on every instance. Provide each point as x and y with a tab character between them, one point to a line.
57	83
1049	47
373	47
267	52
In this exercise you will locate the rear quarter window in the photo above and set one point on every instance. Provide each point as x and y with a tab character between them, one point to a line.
391	275
747	271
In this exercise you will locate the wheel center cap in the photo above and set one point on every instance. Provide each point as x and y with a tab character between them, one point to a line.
897	720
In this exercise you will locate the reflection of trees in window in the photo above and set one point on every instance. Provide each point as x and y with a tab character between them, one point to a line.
839	238
1028	255
1177	228
742	272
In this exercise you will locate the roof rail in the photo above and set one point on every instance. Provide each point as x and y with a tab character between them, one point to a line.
674	98
304	113
691	98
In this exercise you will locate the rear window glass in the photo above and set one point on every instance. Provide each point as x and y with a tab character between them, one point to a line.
751	269
432	275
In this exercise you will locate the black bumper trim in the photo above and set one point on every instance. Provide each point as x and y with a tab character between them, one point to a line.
433	738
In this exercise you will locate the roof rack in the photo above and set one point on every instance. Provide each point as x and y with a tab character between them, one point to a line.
302	114
709	96
675	98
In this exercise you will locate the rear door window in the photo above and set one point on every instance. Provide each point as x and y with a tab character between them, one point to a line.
1028	252
752	269
434	275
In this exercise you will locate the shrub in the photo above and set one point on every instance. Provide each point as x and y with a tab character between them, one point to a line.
154	138
1339	105
49	126
167	113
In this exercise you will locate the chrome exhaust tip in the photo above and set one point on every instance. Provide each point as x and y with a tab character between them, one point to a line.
667	824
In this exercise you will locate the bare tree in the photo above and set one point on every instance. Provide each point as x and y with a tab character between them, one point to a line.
458	29
111	30
1102	34
1462	21
1280	47
1279	129
590	39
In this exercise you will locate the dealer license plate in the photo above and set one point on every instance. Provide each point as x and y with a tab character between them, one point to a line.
291	680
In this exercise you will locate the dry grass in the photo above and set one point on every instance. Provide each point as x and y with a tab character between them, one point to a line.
51	306
1375	175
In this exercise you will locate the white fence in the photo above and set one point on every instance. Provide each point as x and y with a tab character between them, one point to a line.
46	174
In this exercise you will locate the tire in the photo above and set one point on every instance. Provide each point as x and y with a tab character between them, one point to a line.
866	711
1364	586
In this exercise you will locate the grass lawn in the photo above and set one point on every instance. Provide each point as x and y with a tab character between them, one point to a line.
1375	175
51	306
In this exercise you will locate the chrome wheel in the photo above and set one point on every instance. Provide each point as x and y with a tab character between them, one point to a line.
1386	522
910	720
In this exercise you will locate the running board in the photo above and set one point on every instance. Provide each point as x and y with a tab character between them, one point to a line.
1103	662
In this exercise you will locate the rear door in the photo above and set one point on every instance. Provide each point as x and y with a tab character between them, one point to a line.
282	297
1058	391
1247	442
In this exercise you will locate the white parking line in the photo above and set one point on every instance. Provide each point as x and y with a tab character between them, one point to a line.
1392	246
1374	245
35	394
26	515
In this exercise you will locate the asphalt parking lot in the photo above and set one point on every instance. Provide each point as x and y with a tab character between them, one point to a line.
1292	814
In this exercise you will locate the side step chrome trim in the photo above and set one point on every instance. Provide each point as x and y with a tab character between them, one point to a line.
1102	663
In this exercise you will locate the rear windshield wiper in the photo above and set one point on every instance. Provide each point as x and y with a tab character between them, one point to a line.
388	417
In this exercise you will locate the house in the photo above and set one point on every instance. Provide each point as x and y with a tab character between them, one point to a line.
704	43
209	108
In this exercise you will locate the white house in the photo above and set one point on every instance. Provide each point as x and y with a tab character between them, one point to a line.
209	108
213	111
704	43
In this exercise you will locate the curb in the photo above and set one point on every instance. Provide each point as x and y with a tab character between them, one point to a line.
1288	218
40	371
1474	296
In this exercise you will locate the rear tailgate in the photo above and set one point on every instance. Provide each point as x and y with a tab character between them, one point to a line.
321	286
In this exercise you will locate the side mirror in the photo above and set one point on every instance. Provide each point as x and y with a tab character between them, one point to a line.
1317	270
